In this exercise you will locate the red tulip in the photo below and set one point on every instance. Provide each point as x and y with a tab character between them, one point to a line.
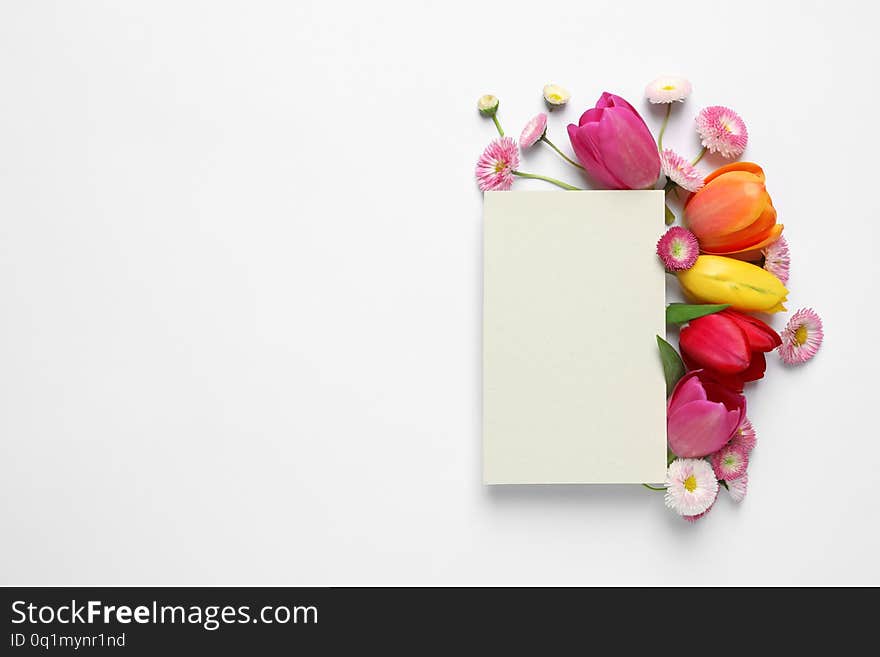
729	344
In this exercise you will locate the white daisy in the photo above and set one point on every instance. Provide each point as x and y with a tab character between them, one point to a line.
738	487
668	89
555	95
691	487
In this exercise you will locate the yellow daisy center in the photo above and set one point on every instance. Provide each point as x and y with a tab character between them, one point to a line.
554	98
800	336
690	484
668	87
500	165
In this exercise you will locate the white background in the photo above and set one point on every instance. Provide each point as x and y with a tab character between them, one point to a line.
240	281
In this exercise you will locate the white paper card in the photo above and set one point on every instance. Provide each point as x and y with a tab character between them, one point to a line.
573	297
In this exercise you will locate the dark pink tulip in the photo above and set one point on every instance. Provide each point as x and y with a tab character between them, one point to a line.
615	146
702	415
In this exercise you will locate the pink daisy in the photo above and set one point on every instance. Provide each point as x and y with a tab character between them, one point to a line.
693	519
496	165
668	89
730	462
777	259
691	487
678	249
738	487
801	337
533	131
680	171
745	436
722	131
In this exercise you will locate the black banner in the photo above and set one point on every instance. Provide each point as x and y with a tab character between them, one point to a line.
177	620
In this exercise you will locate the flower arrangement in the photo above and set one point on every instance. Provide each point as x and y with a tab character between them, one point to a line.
729	257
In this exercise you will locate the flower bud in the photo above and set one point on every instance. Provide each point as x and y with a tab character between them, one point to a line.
487	105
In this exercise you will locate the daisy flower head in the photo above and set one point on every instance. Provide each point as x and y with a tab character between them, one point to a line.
730	462
668	89
533	131
745	436
801	337
680	171
555	96
678	249
691	487
738	487
777	259
722	131
496	165
693	519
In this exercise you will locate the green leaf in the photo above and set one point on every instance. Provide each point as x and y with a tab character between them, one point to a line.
670	217
679	313
670	457
673	367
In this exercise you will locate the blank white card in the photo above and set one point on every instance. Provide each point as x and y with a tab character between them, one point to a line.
573	297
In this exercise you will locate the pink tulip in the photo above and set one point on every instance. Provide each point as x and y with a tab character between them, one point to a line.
702	415
615	146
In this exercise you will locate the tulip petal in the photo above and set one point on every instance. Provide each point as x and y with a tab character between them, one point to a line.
761	337
716	391
583	141
717	343
699	428
592	115
756	368
757	231
613	100
734	420
771	236
688	389
585	154
749	167
628	149
728	205
733	401
733	382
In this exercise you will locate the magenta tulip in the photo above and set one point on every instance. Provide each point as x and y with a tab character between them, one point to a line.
702	415
615	146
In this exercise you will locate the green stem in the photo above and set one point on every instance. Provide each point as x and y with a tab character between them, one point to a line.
561	154
663	127
548	179
497	125
670	216
653	487
700	156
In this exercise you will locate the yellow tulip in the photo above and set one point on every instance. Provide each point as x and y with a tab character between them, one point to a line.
746	287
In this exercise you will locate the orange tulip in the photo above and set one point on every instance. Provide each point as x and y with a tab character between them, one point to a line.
733	214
